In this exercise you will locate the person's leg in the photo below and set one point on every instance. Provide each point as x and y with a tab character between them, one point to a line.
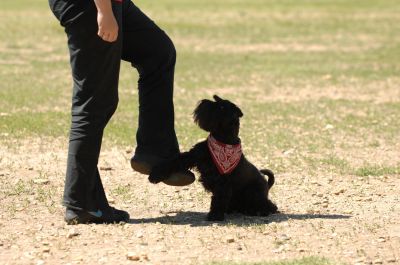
95	69
153	54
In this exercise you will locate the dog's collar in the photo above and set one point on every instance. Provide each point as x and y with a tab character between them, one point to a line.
226	157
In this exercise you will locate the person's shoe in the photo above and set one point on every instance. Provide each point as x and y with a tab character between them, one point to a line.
141	166
180	178
111	215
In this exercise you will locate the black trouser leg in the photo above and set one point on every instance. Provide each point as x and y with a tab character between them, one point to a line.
95	69
153	54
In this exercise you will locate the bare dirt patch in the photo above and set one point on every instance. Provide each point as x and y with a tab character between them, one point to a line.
345	218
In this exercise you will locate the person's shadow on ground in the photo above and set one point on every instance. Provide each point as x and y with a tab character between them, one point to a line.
196	219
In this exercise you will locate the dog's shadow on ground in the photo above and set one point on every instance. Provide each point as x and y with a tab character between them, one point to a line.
196	219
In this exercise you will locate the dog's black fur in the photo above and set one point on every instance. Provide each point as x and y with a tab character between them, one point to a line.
245	189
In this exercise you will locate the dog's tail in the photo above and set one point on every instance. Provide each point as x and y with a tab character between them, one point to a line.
271	177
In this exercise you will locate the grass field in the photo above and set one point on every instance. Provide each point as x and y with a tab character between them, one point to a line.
317	80
293	66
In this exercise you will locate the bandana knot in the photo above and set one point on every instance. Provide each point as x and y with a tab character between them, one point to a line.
226	157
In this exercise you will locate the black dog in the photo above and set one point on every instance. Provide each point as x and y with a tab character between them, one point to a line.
236	184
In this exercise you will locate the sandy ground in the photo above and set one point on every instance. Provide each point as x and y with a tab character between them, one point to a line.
348	219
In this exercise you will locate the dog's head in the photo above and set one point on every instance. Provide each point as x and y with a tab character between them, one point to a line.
218	117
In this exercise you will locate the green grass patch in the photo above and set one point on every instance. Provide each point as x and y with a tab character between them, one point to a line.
123	191
24	124
377	170
18	189
303	261
242	50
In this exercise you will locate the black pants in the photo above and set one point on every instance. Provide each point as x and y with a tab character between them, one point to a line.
95	70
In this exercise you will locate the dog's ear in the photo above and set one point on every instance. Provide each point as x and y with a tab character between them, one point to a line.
203	115
240	112
217	99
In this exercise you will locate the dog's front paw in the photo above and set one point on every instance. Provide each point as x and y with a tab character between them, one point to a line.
215	216
155	178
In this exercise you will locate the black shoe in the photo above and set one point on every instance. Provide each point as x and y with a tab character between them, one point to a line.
109	216
180	178
141	166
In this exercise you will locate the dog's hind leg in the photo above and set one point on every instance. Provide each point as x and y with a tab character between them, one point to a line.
272	206
257	202
263	206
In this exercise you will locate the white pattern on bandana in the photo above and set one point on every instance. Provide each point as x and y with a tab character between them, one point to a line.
226	157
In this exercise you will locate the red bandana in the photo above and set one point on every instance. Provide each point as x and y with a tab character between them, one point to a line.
226	157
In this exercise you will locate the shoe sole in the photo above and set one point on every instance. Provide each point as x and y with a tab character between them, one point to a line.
175	179
93	221
141	167
179	179
90	219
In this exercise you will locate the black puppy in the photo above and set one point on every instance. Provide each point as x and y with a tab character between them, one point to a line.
236	184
